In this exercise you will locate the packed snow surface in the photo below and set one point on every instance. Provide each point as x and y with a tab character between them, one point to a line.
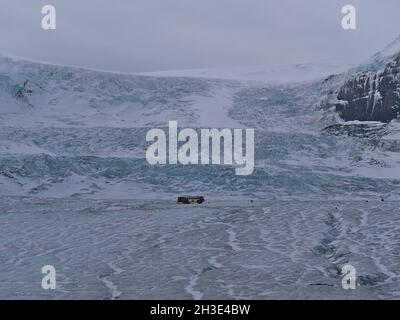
136	249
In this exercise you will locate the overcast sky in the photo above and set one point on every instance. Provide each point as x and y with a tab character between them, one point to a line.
150	35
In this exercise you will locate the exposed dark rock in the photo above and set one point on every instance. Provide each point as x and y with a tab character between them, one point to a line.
357	130
371	96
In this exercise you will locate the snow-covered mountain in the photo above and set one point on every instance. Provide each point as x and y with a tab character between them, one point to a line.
379	59
76	191
70	131
57	96
272	74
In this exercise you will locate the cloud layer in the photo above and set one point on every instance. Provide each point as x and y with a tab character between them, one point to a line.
149	35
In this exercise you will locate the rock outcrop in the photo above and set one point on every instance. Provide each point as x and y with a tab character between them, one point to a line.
371	96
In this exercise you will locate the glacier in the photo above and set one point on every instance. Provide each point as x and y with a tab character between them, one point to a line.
77	192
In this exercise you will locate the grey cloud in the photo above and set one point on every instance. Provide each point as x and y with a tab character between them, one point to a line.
147	35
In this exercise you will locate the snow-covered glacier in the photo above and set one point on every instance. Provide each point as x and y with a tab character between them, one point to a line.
76	190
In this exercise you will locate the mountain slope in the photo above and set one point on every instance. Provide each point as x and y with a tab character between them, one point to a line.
271	74
60	96
76	132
